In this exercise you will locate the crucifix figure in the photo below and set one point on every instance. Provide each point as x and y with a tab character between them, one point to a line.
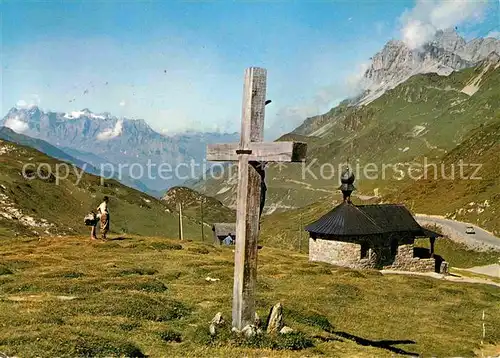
252	155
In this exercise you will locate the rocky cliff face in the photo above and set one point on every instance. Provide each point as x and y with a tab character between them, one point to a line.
396	62
103	138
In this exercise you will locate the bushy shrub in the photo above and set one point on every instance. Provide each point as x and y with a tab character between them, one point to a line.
199	250
170	336
224	337
165	246
4	270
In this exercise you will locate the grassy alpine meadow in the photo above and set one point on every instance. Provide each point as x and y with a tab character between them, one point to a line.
149	296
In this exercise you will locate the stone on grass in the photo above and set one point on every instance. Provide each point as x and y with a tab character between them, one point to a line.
216	322
275	319
210	279
257	321
286	330
444	269
250	331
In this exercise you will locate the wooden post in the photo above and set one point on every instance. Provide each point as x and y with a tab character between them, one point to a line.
250	153
248	200
181	231
202	223
301	228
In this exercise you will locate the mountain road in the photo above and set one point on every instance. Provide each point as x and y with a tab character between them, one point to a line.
482	240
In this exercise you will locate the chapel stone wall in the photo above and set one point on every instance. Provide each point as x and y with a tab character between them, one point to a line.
405	261
340	253
348	254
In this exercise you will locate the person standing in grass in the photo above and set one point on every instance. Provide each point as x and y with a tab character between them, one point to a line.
91	220
228	240
93	230
103	213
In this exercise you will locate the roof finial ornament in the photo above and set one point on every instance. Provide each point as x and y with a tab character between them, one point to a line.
347	179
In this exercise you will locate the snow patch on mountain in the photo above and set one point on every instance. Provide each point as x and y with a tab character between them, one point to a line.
84	112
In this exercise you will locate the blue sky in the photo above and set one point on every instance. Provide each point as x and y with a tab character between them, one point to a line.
179	65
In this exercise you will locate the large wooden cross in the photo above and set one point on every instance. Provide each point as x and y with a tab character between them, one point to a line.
251	153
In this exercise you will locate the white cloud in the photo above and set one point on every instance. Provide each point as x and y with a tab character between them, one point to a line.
420	24
22	103
33	101
111	133
356	80
122	103
16	124
494	34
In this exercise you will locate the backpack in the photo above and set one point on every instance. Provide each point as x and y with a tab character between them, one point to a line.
90	219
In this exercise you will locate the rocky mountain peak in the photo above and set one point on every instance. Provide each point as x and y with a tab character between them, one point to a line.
493	58
448	40
447	52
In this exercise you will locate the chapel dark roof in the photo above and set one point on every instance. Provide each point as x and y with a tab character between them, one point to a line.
345	219
348	219
392	217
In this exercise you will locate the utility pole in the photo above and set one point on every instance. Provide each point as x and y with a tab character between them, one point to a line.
300	233
181	231
202	223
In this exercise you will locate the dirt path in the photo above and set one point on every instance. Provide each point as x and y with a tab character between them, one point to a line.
488	270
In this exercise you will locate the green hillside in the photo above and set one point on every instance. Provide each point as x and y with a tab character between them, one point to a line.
476	197
213	210
48	207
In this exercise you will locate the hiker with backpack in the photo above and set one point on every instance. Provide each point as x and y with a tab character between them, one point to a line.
102	211
101	217
91	220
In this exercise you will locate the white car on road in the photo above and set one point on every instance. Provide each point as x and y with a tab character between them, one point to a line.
470	230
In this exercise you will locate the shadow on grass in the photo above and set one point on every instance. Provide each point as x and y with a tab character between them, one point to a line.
119	238
322	322
383	344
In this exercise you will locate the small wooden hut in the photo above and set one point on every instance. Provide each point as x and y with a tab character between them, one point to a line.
221	230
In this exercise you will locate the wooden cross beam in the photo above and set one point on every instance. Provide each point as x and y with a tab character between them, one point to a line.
249	152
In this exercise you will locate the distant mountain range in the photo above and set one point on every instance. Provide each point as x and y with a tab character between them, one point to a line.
104	139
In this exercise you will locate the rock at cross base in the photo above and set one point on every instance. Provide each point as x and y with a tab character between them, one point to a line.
250	331
257	321
275	319
444	269
286	330
217	321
